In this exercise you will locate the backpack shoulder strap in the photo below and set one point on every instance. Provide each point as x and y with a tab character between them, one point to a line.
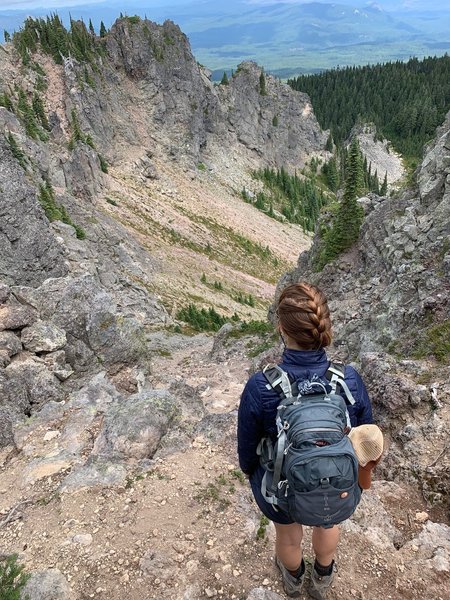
335	375
278	380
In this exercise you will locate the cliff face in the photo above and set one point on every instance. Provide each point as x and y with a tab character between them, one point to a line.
29	251
130	247
396	280
175	104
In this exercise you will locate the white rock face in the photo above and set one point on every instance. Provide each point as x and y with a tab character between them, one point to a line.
383	159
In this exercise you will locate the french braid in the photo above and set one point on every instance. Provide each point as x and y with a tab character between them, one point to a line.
304	315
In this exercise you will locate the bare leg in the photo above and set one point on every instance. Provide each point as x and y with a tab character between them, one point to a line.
288	545
325	542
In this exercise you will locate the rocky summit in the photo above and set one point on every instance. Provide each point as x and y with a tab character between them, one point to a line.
122	204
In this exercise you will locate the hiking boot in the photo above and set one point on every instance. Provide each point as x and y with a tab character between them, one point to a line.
319	584
292	585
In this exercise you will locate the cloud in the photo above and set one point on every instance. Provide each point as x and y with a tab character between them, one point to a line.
32	4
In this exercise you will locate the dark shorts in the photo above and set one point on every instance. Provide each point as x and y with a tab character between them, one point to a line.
275	515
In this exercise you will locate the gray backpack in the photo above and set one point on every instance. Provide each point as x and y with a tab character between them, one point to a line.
312	469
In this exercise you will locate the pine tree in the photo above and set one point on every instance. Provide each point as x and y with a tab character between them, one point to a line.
262	84
91	28
345	229
6	36
16	150
384	186
224	80
349	216
103	31
39	111
27	115
329	144
332	175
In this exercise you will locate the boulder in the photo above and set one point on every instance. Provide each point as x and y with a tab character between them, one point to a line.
15	316
47	585
43	337
10	342
88	314
4	293
36	384
133	428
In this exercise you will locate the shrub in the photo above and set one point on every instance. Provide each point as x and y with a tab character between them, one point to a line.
201	319
17	152
103	164
56	212
12	578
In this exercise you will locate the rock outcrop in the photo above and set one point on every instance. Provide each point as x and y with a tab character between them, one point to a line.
29	250
255	115
77	294
389	296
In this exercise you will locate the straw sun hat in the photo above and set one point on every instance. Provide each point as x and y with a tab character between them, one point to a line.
367	441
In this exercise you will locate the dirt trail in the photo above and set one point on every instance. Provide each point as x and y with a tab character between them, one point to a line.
187	527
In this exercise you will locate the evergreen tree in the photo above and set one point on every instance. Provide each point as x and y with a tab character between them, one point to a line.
224	80
405	100
262	84
17	152
346	225
329	144
91	28
27	116
349	214
384	186
103	31
331	174
6	36
39	111
375	187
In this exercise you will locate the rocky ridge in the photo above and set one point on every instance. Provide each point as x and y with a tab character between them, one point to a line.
151	225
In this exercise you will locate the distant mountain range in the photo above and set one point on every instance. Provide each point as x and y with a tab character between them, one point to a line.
286	37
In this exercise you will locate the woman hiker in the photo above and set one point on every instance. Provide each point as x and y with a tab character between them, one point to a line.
305	328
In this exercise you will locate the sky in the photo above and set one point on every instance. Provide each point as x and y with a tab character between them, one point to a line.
30	4
50	4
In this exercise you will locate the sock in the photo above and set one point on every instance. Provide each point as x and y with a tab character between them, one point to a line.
299	572
323	571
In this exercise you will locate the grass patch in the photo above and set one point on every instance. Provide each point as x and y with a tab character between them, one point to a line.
262	529
212	493
238	474
435	341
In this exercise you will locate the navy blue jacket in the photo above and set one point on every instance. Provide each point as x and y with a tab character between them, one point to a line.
258	407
